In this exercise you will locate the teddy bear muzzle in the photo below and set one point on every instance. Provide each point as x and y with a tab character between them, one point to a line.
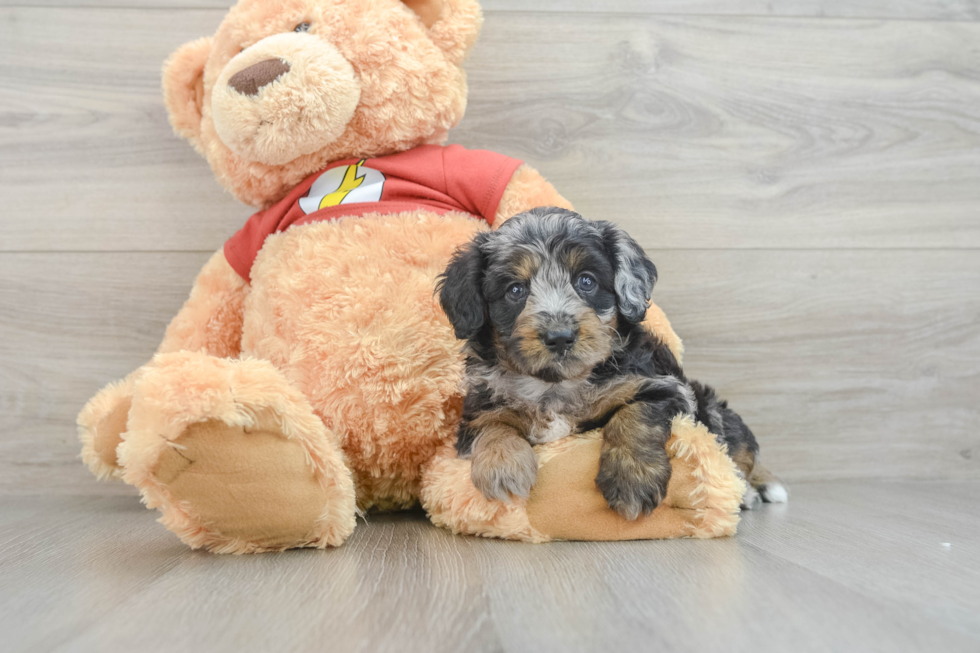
258	76
284	97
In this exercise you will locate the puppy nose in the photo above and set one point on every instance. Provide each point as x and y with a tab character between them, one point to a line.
560	341
253	78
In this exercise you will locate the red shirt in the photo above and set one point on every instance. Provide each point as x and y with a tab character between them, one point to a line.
430	177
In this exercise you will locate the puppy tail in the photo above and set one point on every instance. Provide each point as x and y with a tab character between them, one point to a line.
770	488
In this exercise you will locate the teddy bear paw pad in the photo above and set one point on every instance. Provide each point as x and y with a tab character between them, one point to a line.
247	485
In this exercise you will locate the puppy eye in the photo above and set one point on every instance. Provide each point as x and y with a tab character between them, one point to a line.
302	27
516	291
586	283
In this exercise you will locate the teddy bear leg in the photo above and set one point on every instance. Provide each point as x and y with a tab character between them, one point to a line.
452	501
101	425
234	457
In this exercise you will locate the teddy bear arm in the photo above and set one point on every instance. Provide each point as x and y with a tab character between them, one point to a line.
526	190
211	319
656	321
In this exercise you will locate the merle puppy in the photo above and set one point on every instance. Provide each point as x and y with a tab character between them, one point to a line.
551	306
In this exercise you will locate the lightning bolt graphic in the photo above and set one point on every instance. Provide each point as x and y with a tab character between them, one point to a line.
351	181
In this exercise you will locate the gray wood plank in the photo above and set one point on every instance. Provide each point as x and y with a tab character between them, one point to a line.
73	323
86	148
838	360
698	132
884	540
845	364
746	133
961	10
81	574
66	565
966	10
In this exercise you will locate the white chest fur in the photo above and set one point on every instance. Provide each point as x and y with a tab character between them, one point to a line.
551	408
550	428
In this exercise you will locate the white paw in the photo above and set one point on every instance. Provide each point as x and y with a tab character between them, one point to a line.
774	493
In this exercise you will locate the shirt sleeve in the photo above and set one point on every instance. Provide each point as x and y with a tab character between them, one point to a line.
477	179
242	248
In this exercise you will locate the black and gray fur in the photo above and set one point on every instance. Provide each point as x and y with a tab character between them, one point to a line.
551	306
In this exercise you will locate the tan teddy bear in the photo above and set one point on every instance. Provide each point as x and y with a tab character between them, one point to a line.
311	372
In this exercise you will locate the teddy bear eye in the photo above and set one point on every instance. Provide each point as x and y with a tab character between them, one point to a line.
302	27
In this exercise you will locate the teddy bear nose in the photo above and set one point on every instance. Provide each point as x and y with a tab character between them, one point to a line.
253	78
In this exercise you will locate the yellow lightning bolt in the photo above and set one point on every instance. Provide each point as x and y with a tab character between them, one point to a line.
350	182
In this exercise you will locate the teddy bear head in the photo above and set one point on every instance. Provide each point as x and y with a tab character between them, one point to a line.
286	87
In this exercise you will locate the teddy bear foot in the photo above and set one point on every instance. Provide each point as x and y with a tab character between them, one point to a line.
702	498
249	486
101	425
234	457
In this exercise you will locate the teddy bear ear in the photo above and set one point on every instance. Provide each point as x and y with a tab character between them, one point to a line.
453	24
429	11
183	87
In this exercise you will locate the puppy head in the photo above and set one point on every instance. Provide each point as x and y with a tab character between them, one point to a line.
545	293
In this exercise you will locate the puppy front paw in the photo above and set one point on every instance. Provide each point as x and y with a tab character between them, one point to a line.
504	468
631	486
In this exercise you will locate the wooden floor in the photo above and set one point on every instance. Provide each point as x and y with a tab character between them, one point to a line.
848	566
805	174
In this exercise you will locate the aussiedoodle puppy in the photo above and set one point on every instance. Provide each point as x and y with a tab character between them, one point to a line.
551	306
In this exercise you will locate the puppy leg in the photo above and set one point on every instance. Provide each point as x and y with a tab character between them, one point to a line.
762	484
503	463
730	429
634	467
744	458
770	488
751	499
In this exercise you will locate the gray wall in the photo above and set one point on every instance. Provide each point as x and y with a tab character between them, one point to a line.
805	175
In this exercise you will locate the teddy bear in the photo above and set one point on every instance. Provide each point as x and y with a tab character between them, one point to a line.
311	374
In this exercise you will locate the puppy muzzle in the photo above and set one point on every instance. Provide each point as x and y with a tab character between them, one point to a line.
559	341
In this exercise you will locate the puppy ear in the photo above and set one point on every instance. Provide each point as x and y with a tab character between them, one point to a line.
635	274
183	87
461	292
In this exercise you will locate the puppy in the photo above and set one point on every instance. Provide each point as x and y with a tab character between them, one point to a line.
551	306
